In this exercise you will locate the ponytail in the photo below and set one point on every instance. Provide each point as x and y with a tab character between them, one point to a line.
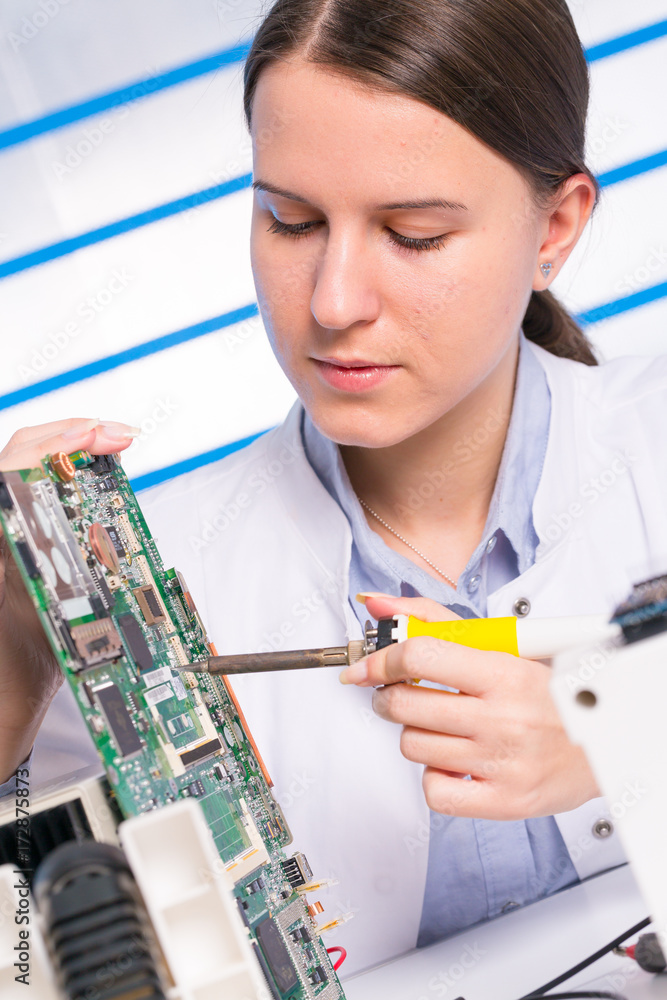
550	326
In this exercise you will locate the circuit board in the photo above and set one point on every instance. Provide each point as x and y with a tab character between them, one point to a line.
121	626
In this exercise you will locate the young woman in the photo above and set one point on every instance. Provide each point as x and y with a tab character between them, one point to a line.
419	182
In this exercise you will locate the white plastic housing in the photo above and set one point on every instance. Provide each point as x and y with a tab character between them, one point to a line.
189	900
613	702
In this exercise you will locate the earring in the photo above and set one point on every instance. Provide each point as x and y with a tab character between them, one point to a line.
546	269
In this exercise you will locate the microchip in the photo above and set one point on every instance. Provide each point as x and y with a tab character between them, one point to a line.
276	955
115	541
136	642
118	719
150	606
96	642
199	753
196	789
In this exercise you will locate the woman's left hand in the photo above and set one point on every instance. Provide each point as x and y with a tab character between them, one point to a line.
502	728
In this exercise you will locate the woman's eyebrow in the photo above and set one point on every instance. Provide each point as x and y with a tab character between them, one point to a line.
449	206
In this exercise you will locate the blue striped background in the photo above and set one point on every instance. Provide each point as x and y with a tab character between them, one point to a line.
142	89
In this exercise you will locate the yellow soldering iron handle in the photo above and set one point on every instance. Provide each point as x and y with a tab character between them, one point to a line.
497	634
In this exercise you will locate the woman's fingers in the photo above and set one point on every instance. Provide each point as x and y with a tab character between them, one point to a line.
384	606
426	708
27	447
470	670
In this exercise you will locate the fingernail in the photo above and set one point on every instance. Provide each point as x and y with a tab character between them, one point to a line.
81	428
362	597
355	673
113	429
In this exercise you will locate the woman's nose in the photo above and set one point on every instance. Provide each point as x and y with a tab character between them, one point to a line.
346	290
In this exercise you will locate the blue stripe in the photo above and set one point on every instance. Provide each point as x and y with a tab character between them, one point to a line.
625	42
114	98
112	361
144	350
189	464
55	250
628	302
634	169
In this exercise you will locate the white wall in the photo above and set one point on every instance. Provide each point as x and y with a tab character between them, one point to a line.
113	296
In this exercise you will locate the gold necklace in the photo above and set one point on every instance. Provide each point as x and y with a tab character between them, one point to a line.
406	542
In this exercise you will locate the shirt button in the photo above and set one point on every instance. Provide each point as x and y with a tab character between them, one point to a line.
603	829
491	544
521	607
473	583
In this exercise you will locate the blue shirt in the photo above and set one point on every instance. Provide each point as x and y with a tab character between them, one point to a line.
477	869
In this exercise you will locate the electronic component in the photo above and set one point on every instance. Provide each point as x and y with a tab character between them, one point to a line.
63	466
118	718
297	870
201	752
196	789
103	547
276	954
149	605
121	627
318	975
136	641
96	642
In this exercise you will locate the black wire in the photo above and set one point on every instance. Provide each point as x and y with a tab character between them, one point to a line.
584	965
588	993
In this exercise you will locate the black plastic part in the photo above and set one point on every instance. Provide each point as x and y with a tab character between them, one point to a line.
94	921
48	829
385	627
26	556
136	641
103	463
199	753
648	953
5	498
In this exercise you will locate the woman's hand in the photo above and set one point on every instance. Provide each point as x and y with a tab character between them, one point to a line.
29	672
502	728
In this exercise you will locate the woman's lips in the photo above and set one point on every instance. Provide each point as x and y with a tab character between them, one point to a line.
356	377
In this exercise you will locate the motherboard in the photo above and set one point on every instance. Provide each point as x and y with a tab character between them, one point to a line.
124	630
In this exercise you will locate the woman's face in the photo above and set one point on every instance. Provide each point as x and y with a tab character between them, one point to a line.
393	253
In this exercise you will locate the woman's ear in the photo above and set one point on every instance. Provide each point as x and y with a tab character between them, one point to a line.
564	222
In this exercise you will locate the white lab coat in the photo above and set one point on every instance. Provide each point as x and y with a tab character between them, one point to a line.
266	553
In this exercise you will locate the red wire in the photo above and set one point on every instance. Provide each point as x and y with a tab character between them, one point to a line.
343	956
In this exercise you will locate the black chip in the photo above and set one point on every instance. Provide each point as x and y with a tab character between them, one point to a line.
116	542
136	641
276	954
27	560
319	975
5	498
118	718
196	789
205	750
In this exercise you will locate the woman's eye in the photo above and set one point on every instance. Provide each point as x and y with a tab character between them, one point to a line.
295	230
422	243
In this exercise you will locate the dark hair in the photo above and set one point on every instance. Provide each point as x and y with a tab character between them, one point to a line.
513	73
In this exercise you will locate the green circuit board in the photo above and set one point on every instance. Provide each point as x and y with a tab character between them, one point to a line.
121	626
